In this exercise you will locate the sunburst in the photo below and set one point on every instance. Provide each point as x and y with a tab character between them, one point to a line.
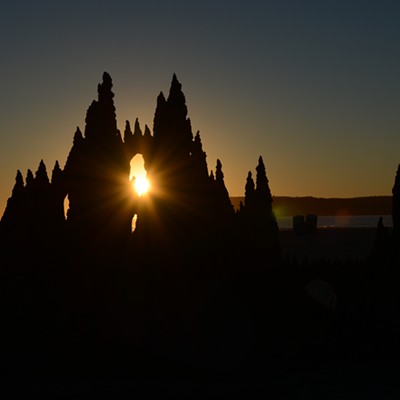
141	185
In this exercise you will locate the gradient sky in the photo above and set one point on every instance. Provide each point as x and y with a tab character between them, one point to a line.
312	86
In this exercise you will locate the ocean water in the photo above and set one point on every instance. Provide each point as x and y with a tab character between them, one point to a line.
341	221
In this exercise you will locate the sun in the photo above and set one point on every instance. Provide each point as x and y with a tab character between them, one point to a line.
141	185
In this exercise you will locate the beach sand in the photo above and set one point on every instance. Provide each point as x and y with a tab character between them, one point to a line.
330	243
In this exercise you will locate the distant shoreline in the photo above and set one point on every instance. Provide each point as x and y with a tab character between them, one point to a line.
288	206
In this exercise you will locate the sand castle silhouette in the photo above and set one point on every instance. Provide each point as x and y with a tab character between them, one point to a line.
197	290
188	203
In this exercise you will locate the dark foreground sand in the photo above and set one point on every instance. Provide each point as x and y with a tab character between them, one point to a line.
342	243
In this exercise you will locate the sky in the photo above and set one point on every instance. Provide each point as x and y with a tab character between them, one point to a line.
311	86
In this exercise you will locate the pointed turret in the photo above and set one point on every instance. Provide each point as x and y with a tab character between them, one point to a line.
101	122
74	158
159	115
78	137
127	132
197	140
176	98
198	146
219	175
137	131
19	184
15	212
199	158
56	175
41	176
147	132
223	202
249	190
104	89
173	145
262	184
258	216
170	122
29	178
396	203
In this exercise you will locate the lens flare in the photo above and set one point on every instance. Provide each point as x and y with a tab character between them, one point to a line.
141	185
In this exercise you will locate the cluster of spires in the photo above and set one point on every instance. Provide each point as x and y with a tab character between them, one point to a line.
38	202
95	179
189	204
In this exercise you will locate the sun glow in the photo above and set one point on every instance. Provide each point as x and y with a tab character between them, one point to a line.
138	175
141	185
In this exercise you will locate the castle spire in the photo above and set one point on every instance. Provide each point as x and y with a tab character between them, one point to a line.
56	173
78	137
147	132
219	175
128	132
29	178
223	201
176	98
137	131
19	184
396	203
159	115
104	88
101	121
262	184
249	190
41	174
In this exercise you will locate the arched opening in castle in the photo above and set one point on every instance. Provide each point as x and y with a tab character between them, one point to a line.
139	182
138	175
